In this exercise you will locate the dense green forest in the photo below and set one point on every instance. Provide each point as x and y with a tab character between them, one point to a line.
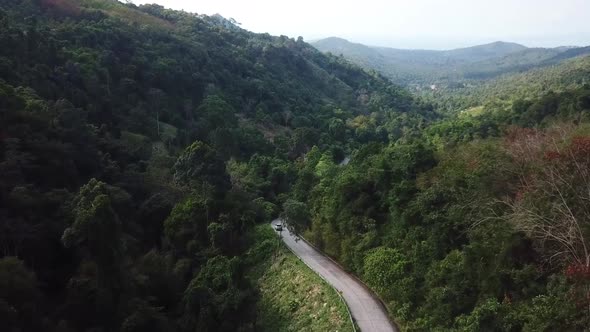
480	224
503	90
140	147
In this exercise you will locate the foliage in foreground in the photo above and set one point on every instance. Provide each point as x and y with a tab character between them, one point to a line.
467	234
139	145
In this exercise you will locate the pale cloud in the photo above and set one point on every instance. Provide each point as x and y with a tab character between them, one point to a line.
409	23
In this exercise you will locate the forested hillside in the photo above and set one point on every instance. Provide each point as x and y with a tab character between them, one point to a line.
502	91
481	224
422	69
140	147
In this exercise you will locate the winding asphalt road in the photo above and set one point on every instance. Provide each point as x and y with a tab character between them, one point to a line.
366	310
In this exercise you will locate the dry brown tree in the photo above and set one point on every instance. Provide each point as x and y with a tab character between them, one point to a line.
552	204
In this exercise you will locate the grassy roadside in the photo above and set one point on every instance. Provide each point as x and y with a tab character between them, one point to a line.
292	297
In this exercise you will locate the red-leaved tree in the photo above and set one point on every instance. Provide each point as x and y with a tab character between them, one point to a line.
552	203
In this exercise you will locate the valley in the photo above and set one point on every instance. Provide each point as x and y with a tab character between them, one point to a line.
145	150
454	69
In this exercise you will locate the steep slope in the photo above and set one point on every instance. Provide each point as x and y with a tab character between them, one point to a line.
139	144
461	229
293	297
185	55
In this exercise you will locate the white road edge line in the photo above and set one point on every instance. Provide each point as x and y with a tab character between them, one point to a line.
325	281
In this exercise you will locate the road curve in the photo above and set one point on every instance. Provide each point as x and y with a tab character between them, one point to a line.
368	313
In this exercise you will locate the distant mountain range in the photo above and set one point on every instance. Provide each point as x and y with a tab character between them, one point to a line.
426	67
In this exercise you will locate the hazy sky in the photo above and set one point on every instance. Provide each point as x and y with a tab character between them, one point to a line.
432	24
